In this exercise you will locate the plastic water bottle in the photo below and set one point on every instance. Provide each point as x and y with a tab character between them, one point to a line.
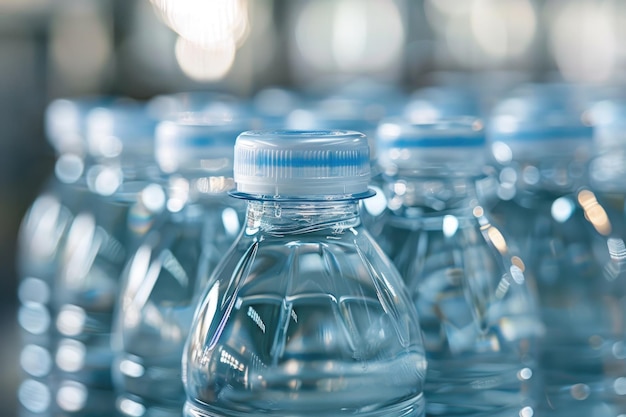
167	274
41	238
119	209
305	316
573	246
478	315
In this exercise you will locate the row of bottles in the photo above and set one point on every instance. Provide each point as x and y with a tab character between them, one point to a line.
436	265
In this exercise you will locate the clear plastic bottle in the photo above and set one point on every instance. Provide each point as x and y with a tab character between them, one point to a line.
478	315
41	239
305	316
122	204
573	247
167	274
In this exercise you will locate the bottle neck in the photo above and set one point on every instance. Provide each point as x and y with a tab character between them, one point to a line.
197	188
539	178
431	195
298	217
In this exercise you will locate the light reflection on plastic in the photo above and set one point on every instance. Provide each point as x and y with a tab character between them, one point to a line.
70	355
72	396
35	360
34	396
594	212
617	249
205	319
230	219
131	408
497	239
34	318
153	198
69	168
527	411
178	194
44	219
562	209
377	204
450	225
131	368
71	320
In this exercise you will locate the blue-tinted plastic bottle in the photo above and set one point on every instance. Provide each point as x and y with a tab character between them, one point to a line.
168	272
573	247
478	315
305	316
41	239
118	210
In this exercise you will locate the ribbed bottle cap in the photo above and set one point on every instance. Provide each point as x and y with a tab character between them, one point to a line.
537	124
291	164
65	122
403	144
123	126
196	143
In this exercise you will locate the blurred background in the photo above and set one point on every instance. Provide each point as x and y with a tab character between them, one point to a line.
141	48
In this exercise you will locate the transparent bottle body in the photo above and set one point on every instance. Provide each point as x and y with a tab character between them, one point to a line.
41	238
84	296
478	314
305	316
573	245
73	242
162	284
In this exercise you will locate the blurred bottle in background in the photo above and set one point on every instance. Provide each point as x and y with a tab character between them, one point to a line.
572	244
306	316
169	271
479	318
122	204
43	234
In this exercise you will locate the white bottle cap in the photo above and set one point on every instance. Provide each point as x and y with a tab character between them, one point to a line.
196	144
294	164
539	124
456	145
122	126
